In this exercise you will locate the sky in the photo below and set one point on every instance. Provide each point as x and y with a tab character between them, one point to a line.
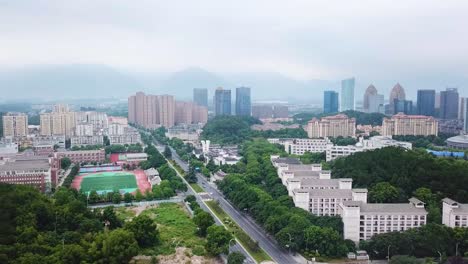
332	39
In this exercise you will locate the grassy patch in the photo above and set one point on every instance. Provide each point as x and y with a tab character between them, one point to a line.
252	247
176	229
197	188
177	167
124	213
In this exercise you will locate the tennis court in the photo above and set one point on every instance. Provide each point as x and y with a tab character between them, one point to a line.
108	182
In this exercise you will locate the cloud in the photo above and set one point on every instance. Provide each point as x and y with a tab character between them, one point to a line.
300	39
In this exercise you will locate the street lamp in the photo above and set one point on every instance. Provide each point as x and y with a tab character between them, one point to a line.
456	249
440	256
289	246
388	253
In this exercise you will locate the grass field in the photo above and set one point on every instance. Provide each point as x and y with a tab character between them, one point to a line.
257	253
176	229
197	188
109	181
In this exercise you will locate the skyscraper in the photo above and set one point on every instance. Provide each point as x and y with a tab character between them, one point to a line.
376	104
449	103
330	102
243	102
15	125
397	93
426	102
347	94
461	108
465	121
403	106
222	102
371	90
200	96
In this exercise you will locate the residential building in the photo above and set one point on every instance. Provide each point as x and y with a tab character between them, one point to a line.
84	130
454	214
60	122
409	125
330	102
449	103
15	125
98	120
200	96
332	126
122	134
199	114
403	106
187	113
370	91
398	93
363	220
243	101
32	170
347	94
8	149
86	140
222	102
166	110
426	102
117	120
82	155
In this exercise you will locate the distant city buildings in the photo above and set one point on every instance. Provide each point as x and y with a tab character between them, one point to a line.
465	120
409	125
458	142
243	101
403	106
330	102
152	111
426	102
270	111
61	121
347	94
398	93
461	108
449	103
222	102
332	126
200	96
370	91
15	125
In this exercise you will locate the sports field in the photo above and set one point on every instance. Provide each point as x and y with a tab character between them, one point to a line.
108	182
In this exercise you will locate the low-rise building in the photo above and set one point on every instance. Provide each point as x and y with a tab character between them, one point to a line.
128	158
299	146
153	176
7	149
81	156
43	149
363	220
30	170
454	214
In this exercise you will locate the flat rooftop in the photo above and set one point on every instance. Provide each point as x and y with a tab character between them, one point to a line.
386	208
26	164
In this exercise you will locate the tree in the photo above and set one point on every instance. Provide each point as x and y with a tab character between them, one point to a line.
325	240
108	215
116	197
167	152
236	258
139	196
93	197
203	220
65	163
384	192
217	240
128	197
144	230
117	246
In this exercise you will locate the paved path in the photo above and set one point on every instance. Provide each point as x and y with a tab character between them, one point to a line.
176	199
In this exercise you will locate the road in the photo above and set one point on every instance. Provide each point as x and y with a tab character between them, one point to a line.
235	247
171	200
256	232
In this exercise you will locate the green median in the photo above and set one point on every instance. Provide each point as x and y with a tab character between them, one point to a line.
197	188
250	245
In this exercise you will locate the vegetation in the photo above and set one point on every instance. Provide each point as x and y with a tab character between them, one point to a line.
75	170
60	229
217	240
425	141
197	188
342	141
235	258
132	148
203	220
65	163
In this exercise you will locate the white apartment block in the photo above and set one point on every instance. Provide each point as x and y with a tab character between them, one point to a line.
454	214
121	134
299	146
86	140
362	220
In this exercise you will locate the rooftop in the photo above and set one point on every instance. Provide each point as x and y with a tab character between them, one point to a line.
458	207
331	193
386	208
287	160
459	139
26	164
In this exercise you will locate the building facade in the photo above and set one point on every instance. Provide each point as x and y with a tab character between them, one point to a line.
426	102
370	91
82	155
362	220
332	126
449	100
299	146
403	106
454	214
222	102
347	94
330	102
397	92
34	171
409	125
15	125
376	103
59	122
200	96
243	101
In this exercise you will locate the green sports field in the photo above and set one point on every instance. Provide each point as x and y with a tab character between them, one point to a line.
108	182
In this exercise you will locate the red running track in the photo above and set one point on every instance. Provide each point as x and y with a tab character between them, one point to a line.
141	179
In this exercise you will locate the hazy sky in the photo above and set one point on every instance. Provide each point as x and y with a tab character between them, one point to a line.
300	39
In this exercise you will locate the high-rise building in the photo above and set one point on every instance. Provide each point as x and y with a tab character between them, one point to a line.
222	102
243	101
347	94
330	102
465	120
426	102
280	111
60	122
397	93
166	110
270	111
461	108
332	126
409	125
200	96
403	106
132	109
370	91
449	103
15	125
376	103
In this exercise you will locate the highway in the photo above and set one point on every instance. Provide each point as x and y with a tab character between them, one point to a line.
256	232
